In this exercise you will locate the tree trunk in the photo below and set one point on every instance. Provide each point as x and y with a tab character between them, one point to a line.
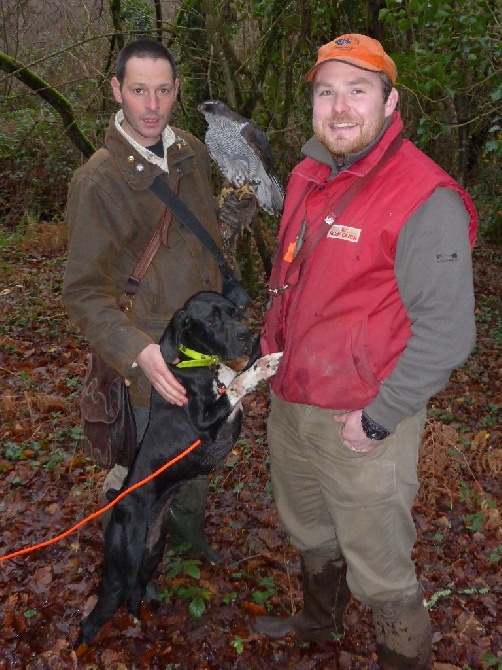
158	19
115	12
463	137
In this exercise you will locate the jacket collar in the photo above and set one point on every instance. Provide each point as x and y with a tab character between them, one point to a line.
168	139
134	163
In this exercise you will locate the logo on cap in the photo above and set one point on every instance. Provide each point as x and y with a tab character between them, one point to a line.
342	41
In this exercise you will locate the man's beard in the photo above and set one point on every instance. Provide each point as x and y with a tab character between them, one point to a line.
339	149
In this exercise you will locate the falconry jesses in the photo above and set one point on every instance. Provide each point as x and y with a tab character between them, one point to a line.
242	153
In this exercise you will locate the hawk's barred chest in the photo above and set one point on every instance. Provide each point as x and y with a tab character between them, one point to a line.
225	142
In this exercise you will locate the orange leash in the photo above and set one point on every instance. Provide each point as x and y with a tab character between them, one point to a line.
107	507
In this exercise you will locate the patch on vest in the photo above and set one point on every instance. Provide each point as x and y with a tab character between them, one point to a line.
344	233
447	258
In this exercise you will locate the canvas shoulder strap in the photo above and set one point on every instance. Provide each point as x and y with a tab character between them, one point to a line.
187	219
158	238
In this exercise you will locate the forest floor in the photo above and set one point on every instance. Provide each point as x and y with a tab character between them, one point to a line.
47	487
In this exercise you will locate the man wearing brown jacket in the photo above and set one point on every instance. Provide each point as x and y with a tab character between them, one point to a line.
112	215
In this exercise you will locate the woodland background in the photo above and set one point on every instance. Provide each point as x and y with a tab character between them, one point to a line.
56	59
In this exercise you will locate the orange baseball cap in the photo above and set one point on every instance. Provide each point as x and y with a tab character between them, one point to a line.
358	50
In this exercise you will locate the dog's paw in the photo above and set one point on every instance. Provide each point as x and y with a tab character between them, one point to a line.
267	366
264	368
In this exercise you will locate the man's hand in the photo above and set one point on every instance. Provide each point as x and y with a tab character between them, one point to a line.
161	378
352	433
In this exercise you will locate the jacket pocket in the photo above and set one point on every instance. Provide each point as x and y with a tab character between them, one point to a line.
330	368
361	356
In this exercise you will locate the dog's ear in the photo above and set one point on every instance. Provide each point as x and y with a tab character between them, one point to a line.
170	340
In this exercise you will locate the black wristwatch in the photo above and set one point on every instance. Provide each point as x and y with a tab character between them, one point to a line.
372	429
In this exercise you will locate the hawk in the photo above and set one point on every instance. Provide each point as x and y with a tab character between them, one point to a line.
242	153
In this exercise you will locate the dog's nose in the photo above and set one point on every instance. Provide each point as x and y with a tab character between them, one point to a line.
242	333
243	336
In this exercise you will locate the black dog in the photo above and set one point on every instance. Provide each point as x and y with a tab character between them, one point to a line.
136	535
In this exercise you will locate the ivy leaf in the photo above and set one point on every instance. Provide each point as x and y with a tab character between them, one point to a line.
197	607
192	569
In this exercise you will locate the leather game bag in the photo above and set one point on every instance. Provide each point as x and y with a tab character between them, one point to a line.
107	416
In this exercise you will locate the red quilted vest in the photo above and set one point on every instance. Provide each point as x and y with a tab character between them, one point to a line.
343	325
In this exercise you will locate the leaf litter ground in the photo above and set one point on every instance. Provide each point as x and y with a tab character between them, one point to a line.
47	486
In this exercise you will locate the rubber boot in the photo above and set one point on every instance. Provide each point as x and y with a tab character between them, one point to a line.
403	633
325	597
186	519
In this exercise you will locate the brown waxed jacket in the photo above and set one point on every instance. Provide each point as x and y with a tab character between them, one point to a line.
112	215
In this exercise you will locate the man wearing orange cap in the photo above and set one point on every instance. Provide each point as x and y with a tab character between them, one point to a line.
372	305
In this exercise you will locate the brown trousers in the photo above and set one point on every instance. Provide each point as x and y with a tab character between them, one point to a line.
334	500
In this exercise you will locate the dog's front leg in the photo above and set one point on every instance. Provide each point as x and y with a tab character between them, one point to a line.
265	367
204	415
227	435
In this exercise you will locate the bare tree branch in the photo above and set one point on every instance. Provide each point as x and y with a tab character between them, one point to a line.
53	97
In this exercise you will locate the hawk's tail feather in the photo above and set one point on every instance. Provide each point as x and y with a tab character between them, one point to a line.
277	195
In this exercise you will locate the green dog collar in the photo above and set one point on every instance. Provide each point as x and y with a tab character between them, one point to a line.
196	359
